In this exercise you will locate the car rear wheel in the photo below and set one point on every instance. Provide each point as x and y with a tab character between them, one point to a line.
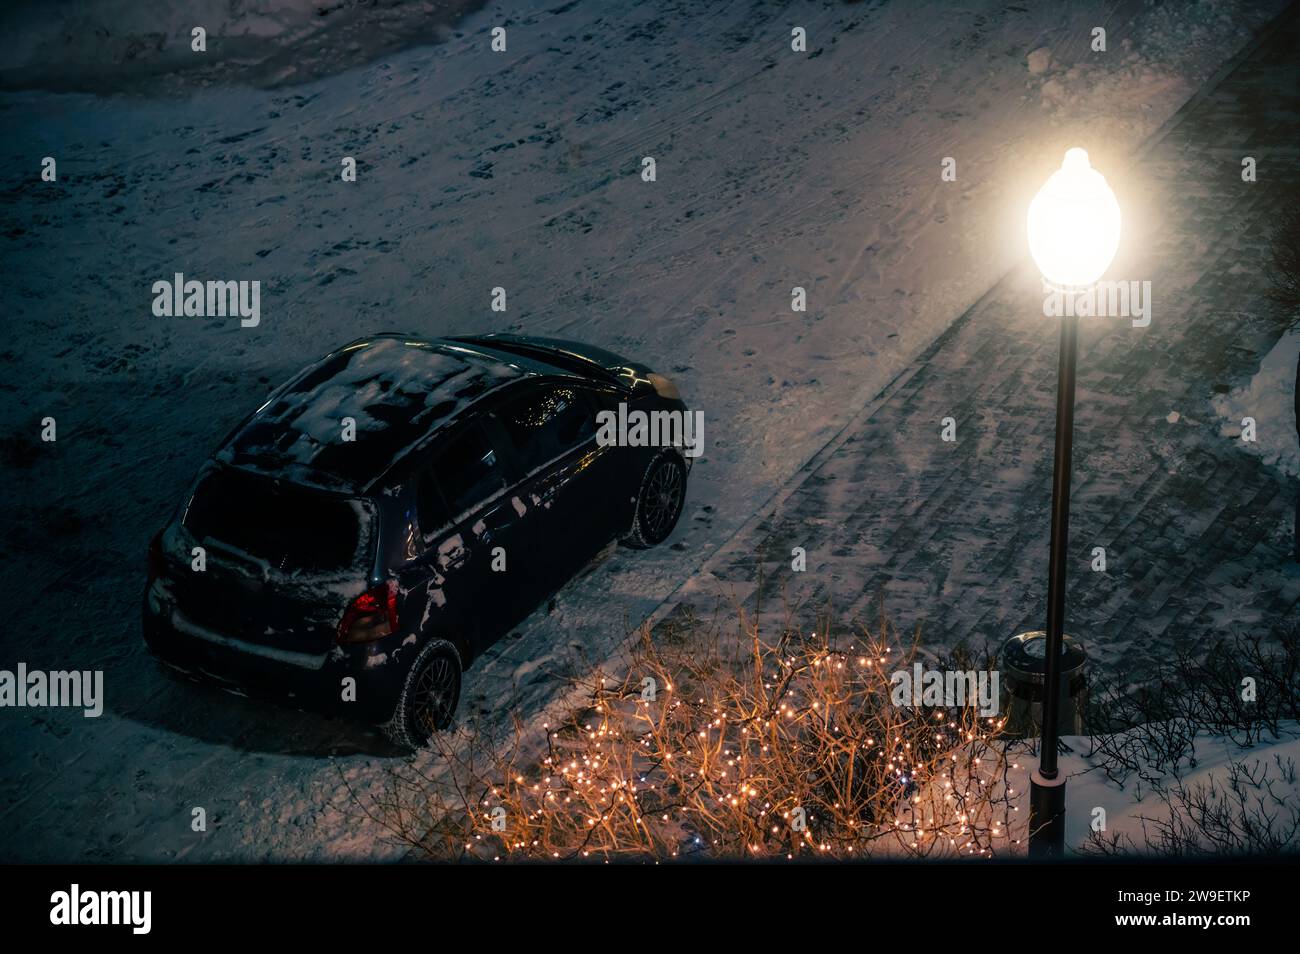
659	501
430	693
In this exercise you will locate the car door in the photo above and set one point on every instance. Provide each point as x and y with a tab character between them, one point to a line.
550	431
463	492
619	470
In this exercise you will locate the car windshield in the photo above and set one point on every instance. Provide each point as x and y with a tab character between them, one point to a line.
289	528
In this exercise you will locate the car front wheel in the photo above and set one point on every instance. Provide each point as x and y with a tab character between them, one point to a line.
659	501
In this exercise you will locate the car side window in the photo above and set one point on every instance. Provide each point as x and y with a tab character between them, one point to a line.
576	421
466	471
428	500
544	424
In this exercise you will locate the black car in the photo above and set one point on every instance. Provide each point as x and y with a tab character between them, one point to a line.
394	509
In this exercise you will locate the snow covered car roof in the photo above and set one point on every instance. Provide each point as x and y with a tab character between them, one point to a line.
397	389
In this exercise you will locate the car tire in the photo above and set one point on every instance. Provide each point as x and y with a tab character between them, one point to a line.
659	501
429	696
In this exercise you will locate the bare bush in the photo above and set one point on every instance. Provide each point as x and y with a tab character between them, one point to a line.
1249	809
1147	731
1147	736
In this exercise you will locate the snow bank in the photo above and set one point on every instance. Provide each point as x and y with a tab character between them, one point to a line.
103	45
1269	397
1144	63
1128	806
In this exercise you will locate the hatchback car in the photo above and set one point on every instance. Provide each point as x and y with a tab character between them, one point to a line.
395	508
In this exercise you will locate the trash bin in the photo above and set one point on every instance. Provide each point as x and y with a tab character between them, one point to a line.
1023	659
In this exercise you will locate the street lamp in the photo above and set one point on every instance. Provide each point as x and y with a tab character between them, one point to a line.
1074	227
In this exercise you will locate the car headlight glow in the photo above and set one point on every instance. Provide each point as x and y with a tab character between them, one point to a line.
664	387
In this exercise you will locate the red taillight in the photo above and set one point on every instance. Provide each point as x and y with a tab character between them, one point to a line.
370	616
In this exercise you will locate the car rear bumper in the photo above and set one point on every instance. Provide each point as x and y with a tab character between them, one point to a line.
305	681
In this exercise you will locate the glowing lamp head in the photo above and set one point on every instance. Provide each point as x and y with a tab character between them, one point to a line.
1074	224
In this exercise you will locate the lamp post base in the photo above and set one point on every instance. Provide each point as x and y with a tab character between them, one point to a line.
1046	816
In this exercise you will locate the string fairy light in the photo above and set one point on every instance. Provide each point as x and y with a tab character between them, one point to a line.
796	750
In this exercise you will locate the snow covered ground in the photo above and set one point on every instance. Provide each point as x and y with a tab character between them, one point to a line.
477	169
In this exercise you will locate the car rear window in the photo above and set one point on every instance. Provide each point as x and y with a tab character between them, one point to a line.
290	527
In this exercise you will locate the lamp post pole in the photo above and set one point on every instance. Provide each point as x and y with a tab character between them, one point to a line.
1073	226
1047	785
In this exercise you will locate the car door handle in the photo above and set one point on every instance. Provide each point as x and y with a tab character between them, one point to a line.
489	534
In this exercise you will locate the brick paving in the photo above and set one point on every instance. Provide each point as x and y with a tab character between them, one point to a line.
952	537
